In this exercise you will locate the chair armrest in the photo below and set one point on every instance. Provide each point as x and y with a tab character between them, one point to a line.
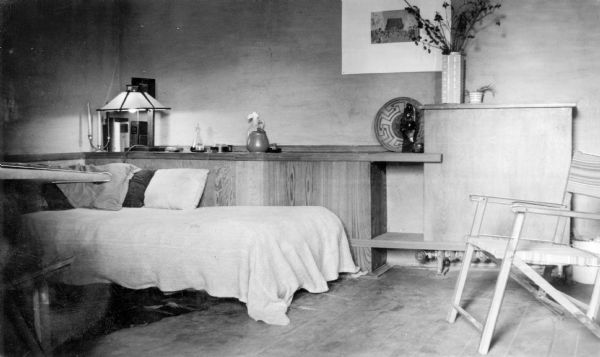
503	237
512	201
549	211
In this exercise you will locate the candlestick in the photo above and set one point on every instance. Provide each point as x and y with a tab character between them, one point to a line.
89	120
100	129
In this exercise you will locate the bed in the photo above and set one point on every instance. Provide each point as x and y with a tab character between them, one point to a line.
259	255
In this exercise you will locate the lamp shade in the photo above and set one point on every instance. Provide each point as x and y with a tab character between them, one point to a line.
133	99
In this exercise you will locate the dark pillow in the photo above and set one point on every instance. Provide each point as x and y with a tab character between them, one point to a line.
137	187
17	197
27	195
55	198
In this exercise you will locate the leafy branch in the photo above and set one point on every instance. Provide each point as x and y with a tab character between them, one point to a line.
452	32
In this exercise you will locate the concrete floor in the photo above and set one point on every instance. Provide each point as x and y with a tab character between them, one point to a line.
400	314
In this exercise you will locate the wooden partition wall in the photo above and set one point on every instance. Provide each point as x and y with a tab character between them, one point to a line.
352	185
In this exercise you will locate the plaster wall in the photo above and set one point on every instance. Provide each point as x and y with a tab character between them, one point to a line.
57	56
545	51
216	61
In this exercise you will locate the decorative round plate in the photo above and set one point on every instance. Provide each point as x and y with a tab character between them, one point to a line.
397	125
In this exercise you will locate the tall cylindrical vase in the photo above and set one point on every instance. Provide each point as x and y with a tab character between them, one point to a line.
453	78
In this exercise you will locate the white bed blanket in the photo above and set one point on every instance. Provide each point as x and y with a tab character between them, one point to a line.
259	255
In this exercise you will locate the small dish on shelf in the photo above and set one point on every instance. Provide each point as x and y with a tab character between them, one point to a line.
198	149
220	148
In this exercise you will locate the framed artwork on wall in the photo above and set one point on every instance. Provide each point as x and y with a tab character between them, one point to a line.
376	37
145	84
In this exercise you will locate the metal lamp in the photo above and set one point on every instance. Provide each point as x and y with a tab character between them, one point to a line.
132	100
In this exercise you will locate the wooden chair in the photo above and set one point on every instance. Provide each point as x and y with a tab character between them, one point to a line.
40	340
520	252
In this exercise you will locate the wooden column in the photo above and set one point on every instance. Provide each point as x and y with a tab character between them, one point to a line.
378	212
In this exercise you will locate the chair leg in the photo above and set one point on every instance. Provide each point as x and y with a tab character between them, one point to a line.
594	305
41	315
21	327
492	316
507	261
460	283
560	298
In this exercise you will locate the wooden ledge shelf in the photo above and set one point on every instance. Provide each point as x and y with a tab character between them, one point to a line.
498	106
415	241
365	153
283	156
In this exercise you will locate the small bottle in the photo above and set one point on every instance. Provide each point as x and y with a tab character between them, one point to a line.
197	144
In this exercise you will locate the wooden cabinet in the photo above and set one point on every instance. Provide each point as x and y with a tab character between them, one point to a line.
520	151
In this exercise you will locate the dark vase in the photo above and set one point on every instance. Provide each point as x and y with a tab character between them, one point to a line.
257	141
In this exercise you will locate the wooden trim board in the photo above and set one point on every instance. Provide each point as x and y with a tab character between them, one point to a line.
393	240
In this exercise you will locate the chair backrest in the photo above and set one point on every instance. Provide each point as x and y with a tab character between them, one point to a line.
584	175
583	179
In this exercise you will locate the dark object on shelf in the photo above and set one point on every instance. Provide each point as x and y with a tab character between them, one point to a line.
173	149
198	149
138	148
146	148
219	148
273	148
418	147
397	125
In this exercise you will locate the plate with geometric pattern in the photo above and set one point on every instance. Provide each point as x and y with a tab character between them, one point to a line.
397	125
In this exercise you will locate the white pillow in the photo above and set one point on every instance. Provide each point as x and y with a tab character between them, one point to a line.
108	195
175	188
